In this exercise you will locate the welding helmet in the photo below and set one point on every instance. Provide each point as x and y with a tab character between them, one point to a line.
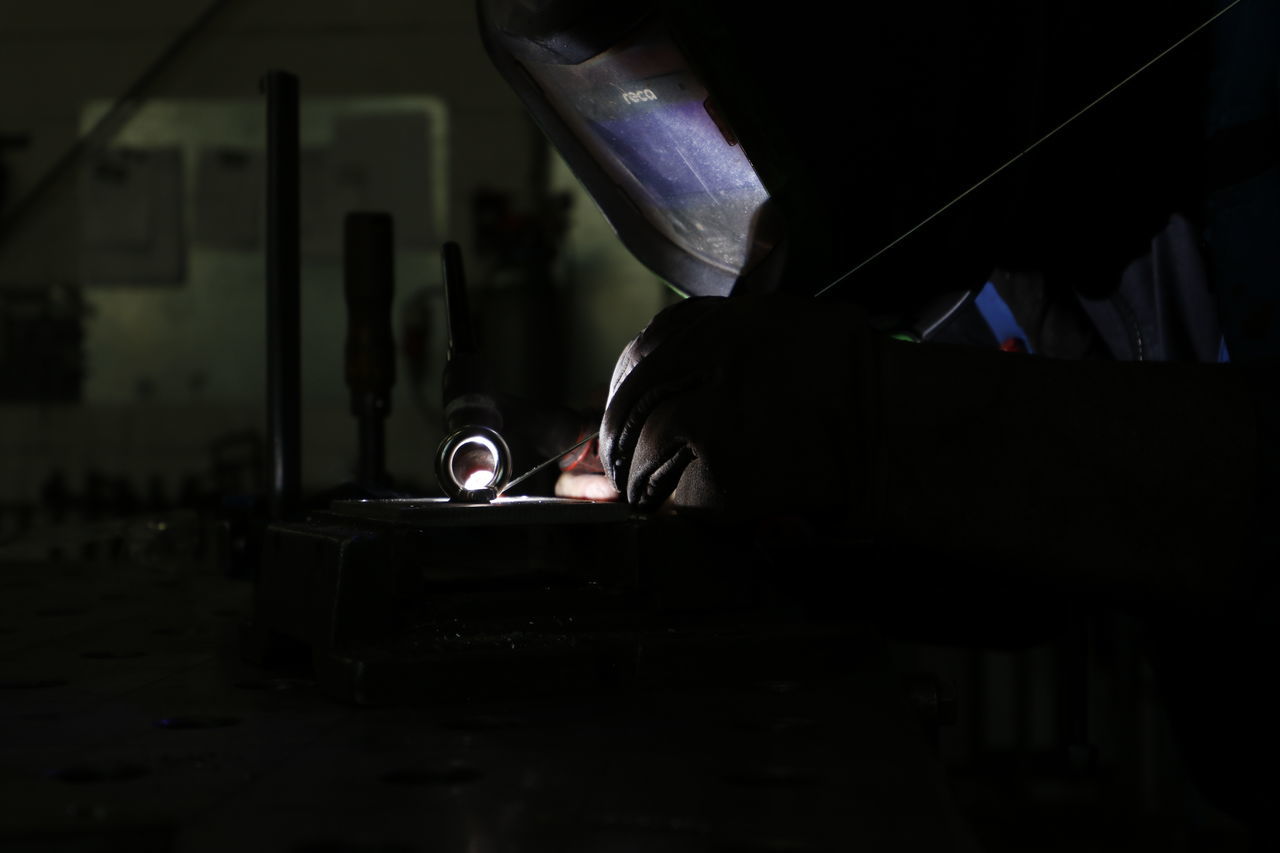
736	149
636	123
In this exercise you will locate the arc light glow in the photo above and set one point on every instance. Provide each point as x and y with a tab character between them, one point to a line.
475	463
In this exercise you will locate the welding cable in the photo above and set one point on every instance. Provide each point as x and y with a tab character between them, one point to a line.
1033	146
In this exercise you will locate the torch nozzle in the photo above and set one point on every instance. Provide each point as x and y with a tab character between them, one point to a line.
473	464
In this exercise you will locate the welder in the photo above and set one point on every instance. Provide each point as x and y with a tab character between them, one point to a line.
960	278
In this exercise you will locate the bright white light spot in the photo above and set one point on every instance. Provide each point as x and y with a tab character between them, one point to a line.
474	463
478	480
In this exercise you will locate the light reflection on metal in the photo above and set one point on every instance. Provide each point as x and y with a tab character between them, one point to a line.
473	464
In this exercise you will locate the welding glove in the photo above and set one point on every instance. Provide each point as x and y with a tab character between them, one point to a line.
738	405
1136	480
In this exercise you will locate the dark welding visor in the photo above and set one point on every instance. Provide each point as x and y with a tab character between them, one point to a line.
637	126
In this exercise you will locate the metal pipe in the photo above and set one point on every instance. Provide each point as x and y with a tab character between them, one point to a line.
283	257
473	465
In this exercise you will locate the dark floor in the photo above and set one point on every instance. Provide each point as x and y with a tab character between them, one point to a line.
131	723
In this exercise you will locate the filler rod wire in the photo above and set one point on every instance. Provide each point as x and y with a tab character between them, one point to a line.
543	464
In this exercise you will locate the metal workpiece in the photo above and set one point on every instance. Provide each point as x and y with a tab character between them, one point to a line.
423	513
418	599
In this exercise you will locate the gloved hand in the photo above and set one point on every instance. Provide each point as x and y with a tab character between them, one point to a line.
737	404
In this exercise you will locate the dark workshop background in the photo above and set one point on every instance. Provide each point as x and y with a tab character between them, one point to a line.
131	266
132	327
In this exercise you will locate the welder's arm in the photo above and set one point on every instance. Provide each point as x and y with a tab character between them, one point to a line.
1140	477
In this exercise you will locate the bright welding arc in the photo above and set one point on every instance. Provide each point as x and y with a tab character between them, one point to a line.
474	463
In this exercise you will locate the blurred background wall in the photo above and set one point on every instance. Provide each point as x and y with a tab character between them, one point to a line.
131	265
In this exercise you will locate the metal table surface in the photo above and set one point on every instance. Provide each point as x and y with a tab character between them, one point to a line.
130	722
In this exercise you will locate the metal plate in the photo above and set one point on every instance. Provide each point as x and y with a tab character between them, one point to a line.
431	512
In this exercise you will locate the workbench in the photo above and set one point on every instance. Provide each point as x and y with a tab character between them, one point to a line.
132	722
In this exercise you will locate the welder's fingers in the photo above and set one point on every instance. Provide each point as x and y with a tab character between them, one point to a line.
585	487
648	388
673	355
670	464
661	361
662	452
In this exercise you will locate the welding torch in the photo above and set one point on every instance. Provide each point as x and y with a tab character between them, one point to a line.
473	463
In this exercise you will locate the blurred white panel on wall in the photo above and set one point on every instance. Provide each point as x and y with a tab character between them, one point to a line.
371	152
131	217
381	162
228	198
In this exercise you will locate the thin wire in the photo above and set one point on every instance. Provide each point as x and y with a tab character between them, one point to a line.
1034	145
536	468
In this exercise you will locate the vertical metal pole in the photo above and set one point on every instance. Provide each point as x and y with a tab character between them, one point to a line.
284	370
369	285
